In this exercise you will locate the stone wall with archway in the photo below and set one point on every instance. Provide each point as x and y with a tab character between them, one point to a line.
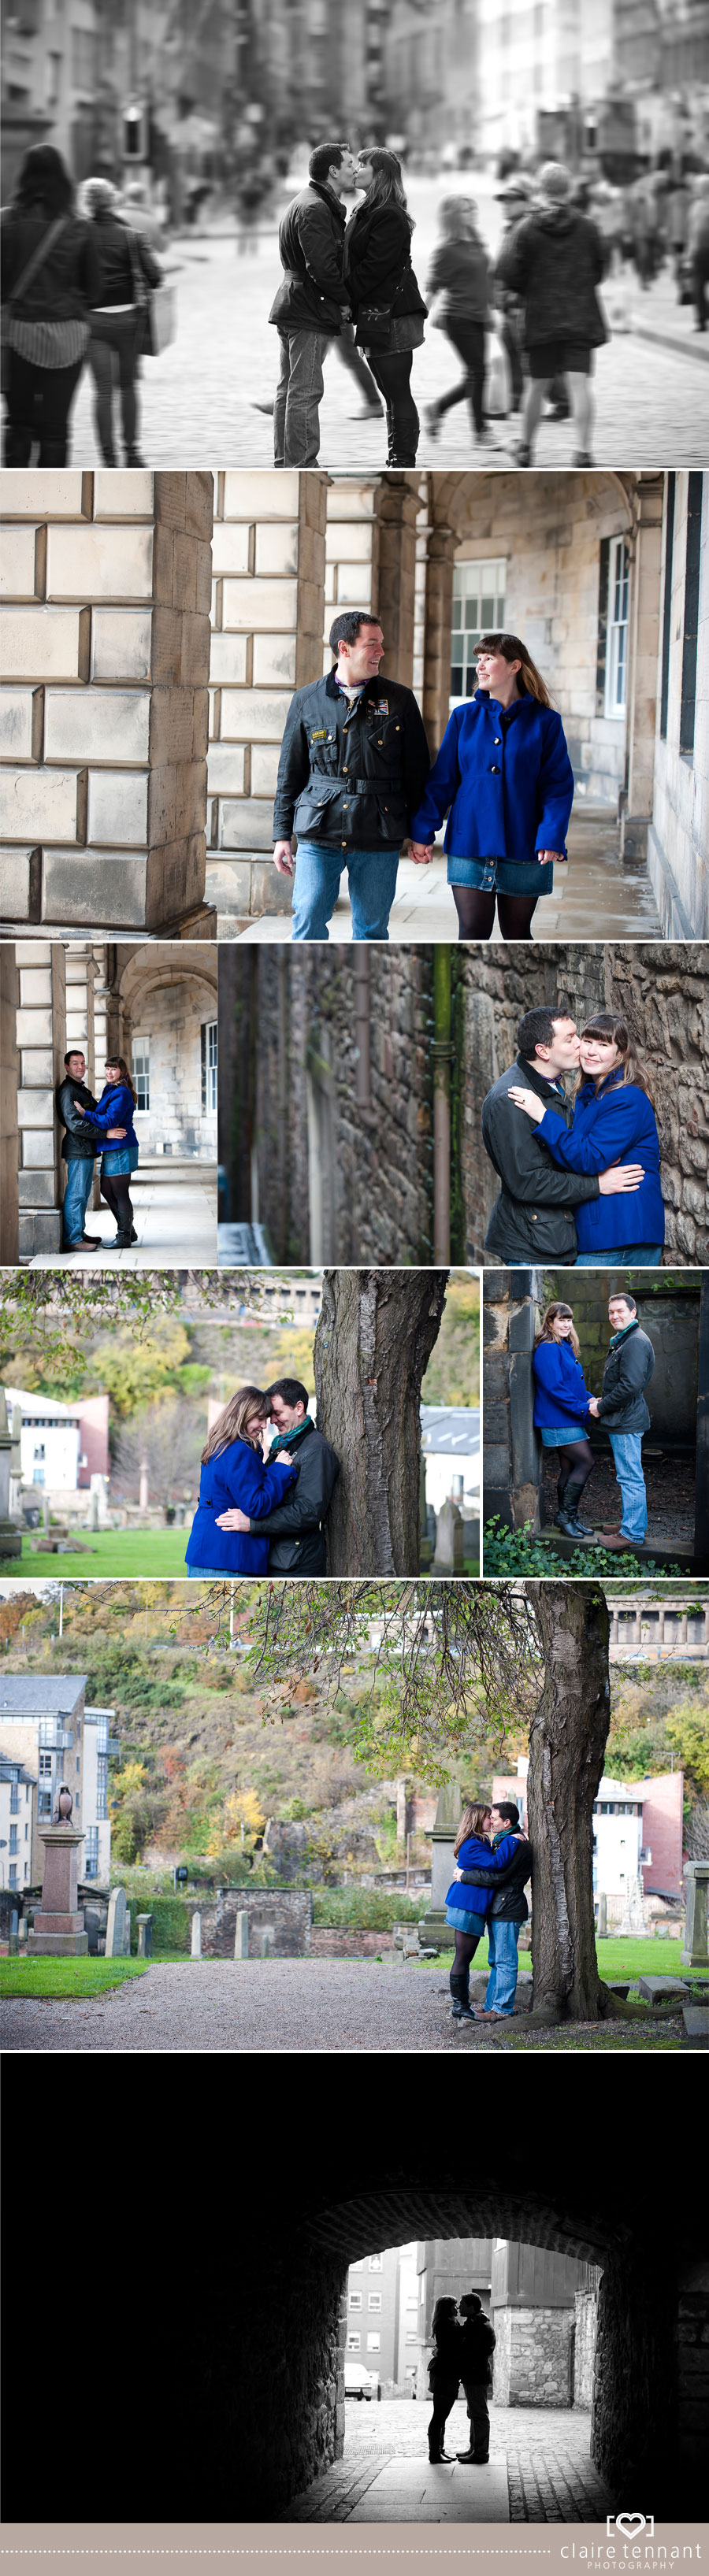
166	997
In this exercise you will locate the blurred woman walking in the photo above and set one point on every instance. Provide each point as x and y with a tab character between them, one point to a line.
460	273
127	271
49	276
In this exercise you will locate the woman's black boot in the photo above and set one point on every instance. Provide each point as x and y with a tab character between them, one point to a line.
460	1990
572	1528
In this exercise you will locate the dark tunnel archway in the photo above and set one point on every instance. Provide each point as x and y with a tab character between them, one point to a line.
275	2391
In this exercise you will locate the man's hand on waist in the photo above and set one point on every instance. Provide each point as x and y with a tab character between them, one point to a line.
233	1520
283	858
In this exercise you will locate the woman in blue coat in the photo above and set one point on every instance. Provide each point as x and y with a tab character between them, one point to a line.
472	1851
561	1412
614	1121
504	770
115	1109
235	1470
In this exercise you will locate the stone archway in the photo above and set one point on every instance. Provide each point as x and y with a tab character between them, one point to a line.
275	2372
168	998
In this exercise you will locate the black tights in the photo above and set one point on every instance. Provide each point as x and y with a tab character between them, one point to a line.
465	1946
576	1464
116	1193
476	913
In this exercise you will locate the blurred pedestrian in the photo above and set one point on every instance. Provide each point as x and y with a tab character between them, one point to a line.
698	246
388	309
510	311
312	302
555	261
642	208
127	270
49	276
146	219
460	273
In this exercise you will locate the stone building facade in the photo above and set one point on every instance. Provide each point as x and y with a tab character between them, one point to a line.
666	1001
559	552
106	587
154	1004
678	838
326	1124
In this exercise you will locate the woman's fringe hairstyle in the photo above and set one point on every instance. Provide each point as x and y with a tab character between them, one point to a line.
231	1423
546	1331
513	650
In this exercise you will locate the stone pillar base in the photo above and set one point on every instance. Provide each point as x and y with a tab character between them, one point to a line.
10	1540
57	1945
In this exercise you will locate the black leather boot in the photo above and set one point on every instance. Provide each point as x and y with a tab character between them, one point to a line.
460	1990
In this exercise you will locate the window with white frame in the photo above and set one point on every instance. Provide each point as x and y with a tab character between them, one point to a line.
209	1068
141	1071
374	2301
357	2267
478	609
375	2262
617	642
374	2343
354	2343
355	2299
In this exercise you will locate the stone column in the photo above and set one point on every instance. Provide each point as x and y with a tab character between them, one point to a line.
514	1458
397	507
10	1535
437	658
106	644
695	1953
268	610
643	670
41	1039
9	1087
58	1929
434	1932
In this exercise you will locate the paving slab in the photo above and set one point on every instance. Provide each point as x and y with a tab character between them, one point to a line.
405	2491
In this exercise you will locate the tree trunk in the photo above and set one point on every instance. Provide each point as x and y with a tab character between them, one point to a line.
567	1747
375	1335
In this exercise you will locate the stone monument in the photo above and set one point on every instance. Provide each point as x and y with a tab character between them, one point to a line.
449	1555
696	1953
434	1932
58	1928
10	1535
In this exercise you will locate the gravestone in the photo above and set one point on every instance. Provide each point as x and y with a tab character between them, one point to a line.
695	2019
196	1952
695	1953
433	1928
602	1924
58	1930
22	1933
450	1554
241	1936
10	1535
633	1924
14	1927
116	1924
267	1940
145	1936
126	1934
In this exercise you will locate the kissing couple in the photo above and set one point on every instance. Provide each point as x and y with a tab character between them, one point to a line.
463	2345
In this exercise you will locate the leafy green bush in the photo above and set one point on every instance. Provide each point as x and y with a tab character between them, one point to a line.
523	1551
367	1909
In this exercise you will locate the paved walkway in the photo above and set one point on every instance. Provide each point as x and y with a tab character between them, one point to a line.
198	398
175	1222
540	2469
595	897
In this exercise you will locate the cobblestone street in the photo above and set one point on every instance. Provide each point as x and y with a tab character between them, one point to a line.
540	2469
198	398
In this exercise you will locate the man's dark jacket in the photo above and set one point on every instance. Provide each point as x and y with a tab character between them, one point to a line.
310	244
476	2345
532	1219
293	1528
555	261
78	1144
351	776
628	1370
509	1903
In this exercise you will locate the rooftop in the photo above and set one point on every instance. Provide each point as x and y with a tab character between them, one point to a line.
40	1695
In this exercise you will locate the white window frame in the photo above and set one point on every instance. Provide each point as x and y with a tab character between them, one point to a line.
211	1067
374	2301
617	629
374	2343
355	2299
354	2343
141	1071
375	2262
474	567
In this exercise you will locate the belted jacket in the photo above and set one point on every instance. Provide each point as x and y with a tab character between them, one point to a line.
532	1219
350	775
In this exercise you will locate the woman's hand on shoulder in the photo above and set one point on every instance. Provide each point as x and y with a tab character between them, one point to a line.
526	1100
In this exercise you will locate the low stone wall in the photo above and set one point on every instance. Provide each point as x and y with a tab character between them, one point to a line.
284	1915
533	2363
586	2327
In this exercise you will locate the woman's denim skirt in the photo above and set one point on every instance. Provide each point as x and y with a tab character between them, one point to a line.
462	1922
120	1158
552	1439
502	876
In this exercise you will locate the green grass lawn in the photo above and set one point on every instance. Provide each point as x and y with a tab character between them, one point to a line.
616	1960
112	1552
52	1980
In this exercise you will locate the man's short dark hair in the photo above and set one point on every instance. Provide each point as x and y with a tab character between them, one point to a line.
470	2300
623	1297
345	629
537	1029
75	1051
291	1391
327	156
504	1807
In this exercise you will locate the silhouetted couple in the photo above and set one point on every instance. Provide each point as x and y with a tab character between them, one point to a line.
463	2345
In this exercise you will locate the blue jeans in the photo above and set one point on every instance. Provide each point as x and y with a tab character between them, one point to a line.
79	1178
206	1573
502	1939
372	883
642	1256
627	1452
296	417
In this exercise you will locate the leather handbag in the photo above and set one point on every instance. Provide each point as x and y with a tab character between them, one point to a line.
31	269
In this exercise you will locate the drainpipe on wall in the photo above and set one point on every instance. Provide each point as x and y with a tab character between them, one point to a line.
363	1089
442	1053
